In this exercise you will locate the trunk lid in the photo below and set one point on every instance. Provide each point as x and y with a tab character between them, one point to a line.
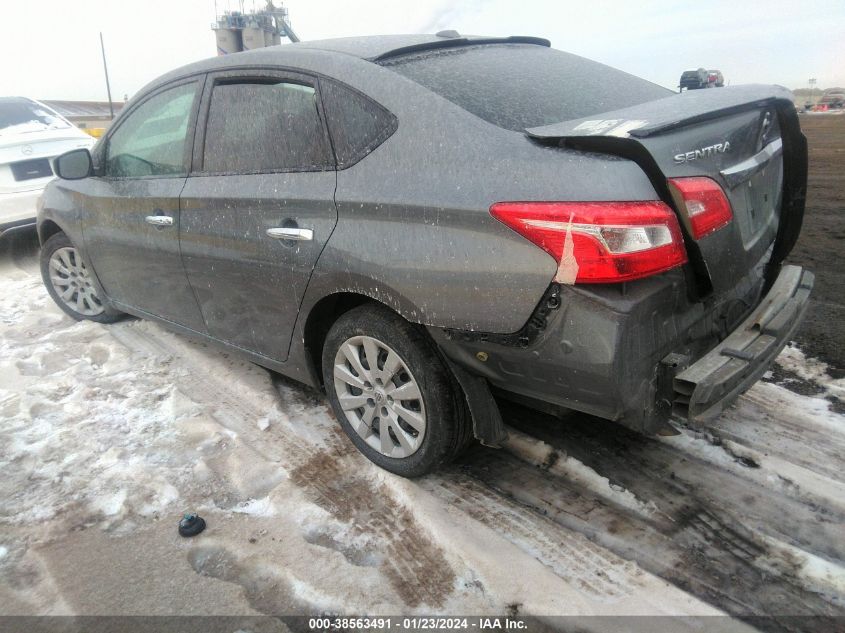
745	138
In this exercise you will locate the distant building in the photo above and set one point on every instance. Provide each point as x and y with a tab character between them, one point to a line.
85	114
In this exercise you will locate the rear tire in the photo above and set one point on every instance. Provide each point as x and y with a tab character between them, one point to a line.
370	355
70	284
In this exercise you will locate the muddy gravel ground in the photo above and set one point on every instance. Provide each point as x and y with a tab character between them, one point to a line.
109	433
821	247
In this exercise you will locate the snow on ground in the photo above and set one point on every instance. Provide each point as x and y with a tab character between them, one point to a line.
109	433
114	429
811	370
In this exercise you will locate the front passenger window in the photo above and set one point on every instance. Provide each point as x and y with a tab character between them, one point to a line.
151	140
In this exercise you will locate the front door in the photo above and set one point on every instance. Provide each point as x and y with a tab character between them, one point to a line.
259	208
131	210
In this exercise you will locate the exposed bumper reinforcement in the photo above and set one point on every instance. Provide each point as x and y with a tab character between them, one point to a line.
703	390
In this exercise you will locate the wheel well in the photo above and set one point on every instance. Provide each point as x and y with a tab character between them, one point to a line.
320	320
47	230
482	409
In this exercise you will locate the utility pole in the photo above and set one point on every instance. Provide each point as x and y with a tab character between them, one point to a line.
106	71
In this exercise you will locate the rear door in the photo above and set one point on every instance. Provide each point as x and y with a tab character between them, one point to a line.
259	207
131	211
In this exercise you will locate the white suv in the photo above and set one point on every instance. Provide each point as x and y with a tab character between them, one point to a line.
31	135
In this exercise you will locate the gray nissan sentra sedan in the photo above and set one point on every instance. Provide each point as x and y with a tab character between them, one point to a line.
418	223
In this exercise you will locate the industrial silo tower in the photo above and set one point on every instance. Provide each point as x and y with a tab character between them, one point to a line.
242	31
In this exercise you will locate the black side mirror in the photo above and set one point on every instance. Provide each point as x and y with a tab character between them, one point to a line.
74	165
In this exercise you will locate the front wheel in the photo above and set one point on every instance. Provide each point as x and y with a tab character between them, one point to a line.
69	282
393	395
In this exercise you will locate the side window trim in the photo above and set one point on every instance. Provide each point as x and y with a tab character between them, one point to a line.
245	75
386	132
103	154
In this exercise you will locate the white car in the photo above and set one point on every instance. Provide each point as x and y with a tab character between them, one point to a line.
31	135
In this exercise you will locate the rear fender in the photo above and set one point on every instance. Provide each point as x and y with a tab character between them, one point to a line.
486	420
301	363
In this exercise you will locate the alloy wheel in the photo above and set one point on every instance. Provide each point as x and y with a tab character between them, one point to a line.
72	282
379	396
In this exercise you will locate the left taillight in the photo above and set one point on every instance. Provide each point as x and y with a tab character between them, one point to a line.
599	242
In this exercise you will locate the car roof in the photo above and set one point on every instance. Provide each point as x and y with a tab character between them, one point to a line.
325	55
368	47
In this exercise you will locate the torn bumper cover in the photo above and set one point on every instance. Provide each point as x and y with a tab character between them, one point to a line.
703	390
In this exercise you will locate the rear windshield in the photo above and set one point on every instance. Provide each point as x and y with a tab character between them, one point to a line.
22	115
517	86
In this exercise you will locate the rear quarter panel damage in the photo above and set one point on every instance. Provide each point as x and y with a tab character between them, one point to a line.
414	229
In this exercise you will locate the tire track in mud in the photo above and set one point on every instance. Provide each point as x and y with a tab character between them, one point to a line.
266	591
703	556
675	479
705	538
751	423
679	484
709	535
594	570
415	566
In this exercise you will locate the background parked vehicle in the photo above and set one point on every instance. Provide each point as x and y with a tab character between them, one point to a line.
693	79
833	98
31	134
701	78
715	78
416	222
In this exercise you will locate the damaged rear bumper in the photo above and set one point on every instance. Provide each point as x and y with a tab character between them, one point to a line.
704	389
619	351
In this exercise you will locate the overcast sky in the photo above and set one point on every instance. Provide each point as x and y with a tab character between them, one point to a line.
52	51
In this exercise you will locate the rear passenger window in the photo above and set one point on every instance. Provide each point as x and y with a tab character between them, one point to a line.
357	124
264	126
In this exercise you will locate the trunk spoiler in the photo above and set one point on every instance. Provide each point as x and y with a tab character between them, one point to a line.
630	132
656	117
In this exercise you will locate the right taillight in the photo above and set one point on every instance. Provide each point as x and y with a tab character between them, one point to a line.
705	204
599	242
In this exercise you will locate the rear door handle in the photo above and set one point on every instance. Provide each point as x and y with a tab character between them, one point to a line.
159	220
284	233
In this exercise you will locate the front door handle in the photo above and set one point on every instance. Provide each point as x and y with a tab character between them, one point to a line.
159	220
284	233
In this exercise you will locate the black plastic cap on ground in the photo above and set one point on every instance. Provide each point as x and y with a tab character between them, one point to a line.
191	525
